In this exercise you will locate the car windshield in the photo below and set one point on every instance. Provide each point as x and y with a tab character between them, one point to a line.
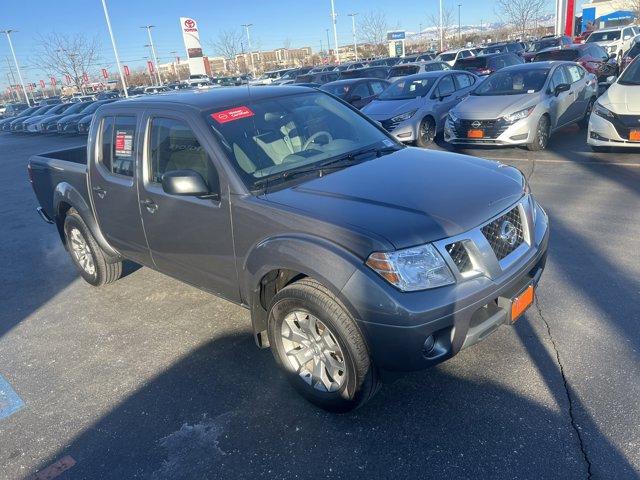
631	74
94	106
406	89
495	49
265	139
514	82
446	57
77	108
569	55
543	44
604	36
403	70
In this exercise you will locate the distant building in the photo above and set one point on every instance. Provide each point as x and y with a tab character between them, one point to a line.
598	14
272	59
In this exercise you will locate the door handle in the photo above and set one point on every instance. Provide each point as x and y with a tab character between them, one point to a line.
101	192
150	205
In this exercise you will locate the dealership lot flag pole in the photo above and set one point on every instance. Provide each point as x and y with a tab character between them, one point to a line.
441	29
15	60
335	31
115	49
246	27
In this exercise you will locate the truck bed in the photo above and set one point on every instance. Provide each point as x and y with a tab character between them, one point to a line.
52	169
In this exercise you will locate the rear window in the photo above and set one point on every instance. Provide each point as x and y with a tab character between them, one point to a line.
404	70
117	138
569	55
604	36
470	63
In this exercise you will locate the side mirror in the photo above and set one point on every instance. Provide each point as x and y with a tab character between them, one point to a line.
563	87
186	183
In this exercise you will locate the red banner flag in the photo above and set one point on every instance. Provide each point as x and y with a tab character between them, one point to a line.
85	77
67	78
126	70
105	74
150	66
53	81
42	84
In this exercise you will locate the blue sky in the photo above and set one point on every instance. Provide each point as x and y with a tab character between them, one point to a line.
302	21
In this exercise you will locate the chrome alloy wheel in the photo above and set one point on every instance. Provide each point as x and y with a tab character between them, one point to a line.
81	251
313	351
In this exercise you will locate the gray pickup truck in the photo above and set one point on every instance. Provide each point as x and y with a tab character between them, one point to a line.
358	257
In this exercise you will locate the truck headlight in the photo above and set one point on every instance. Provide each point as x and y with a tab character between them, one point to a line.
519	115
403	116
412	269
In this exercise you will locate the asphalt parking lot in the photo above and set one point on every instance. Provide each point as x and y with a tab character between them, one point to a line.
150	378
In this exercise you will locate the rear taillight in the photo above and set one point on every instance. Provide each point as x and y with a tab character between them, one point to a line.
30	173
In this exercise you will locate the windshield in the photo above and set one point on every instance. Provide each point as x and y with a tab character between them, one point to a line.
403	70
604	36
78	107
446	57
266	138
406	89
543	44
516	82
569	55
631	74
495	49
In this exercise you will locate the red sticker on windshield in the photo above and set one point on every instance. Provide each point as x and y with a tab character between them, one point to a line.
232	114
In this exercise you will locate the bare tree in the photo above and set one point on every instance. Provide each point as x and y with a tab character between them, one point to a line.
631	5
448	20
520	14
228	44
71	55
373	28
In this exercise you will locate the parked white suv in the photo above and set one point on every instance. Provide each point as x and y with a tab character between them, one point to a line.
450	56
615	40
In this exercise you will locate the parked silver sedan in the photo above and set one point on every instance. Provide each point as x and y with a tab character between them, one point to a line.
524	105
413	108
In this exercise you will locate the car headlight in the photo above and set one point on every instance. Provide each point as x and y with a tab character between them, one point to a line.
404	116
412	269
603	112
519	115
453	117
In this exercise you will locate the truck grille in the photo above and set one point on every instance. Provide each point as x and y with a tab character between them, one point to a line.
505	233
492	128
460	256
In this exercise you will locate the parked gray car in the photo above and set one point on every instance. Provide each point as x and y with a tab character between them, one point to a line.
413	109
524	105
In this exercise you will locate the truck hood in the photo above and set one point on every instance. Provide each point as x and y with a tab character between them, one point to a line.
476	107
409	197
384	109
622	99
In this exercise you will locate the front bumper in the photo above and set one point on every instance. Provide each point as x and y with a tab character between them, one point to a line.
397	324
603	133
497	133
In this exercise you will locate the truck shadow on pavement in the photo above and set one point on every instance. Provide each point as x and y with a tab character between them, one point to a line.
224	411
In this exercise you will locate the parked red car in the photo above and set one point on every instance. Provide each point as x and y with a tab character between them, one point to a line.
591	56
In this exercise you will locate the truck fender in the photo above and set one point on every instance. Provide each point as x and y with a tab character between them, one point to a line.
306	255
65	193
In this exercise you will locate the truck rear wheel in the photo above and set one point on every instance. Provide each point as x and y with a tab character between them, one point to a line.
320	347
89	259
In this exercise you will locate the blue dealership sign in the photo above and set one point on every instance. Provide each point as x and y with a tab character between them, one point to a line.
396	35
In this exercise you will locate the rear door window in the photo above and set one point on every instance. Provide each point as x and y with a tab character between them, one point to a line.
118	152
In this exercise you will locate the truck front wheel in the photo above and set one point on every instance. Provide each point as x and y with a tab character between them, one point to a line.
320	348
89	259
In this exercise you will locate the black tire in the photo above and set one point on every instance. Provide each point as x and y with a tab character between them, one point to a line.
105	270
426	132
600	149
360	379
584	123
541	139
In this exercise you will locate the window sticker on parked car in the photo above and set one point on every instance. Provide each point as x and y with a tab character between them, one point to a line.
124	143
232	114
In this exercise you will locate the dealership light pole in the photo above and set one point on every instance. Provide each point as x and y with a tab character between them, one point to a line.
176	64
335	31
115	49
353	28
441	29
328	44
459	25
153	52
246	28
15	60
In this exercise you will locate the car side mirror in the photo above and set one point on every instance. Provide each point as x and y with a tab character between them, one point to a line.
187	183
563	87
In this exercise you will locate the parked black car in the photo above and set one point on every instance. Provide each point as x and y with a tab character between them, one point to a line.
356	91
13	109
5	123
68	123
487	64
506	47
366	72
321	77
